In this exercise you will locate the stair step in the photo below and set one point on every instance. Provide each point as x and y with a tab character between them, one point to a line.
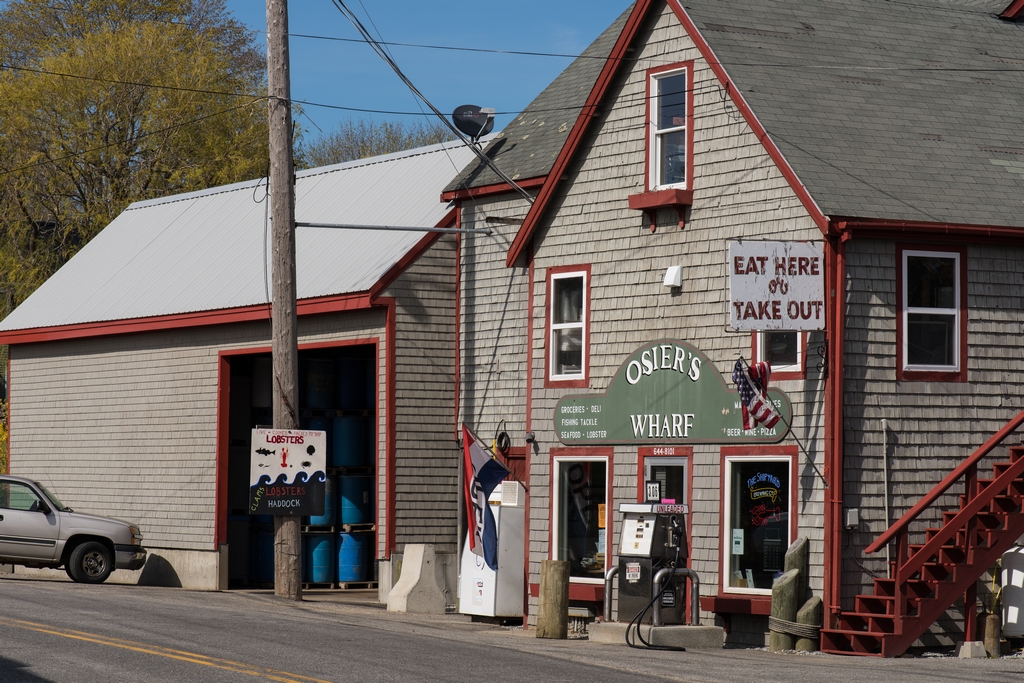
1004	504
866	622
1000	467
1016	453
882	605
915	588
851	642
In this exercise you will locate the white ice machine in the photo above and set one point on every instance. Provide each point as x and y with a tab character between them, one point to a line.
483	591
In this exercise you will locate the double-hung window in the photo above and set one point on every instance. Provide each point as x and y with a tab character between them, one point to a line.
932	329
670	124
568	304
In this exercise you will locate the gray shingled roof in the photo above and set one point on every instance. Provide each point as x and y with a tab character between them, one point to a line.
527	147
894	109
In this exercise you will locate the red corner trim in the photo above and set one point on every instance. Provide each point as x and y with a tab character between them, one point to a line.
220	532
1014	11
497	188
390	424
587	113
730	88
413	254
326	304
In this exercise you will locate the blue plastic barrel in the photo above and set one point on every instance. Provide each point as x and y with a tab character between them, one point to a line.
261	556
352	549
356	499
351	383
321	424
318	558
318	383
330	516
349	442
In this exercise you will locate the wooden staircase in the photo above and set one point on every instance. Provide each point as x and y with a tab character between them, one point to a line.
928	577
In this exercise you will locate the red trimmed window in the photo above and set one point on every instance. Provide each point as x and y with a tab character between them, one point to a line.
668	466
581	511
670	127
568	322
758	516
931	313
785	350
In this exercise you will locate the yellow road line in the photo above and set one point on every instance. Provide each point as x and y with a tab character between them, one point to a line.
181	655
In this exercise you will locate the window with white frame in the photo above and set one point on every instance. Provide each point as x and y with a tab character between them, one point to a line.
568	305
579	534
931	310
670	474
669	117
756	521
783	349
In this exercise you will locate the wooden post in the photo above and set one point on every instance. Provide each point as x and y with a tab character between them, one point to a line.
993	634
797	556
809	614
287	538
553	611
784	605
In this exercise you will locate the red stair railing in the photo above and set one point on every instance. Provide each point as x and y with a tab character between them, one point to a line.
906	566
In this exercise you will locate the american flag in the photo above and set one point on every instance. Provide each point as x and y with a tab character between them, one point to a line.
752	385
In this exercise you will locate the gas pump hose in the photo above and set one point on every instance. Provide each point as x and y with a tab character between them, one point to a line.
636	621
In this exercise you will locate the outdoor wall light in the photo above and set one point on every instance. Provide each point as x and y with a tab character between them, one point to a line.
674	276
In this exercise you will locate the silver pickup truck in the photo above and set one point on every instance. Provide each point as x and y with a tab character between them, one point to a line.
37	530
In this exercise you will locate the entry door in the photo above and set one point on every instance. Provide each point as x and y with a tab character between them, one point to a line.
25	532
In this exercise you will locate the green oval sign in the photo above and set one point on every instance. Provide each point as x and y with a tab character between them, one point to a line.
667	391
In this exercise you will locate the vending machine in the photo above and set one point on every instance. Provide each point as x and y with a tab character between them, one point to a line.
482	590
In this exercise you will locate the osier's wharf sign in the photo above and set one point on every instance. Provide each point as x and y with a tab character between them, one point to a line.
667	391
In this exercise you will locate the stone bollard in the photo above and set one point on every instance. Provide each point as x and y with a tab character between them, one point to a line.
809	614
784	605
993	634
553	611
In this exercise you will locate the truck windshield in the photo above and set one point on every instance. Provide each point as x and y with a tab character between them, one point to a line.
53	499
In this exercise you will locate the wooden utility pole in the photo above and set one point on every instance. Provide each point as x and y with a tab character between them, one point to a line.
287	538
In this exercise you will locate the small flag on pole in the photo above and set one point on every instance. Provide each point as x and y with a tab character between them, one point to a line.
483	473
752	384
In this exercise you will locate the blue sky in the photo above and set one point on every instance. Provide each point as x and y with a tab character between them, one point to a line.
352	75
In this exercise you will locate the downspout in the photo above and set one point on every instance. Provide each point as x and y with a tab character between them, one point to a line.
837	351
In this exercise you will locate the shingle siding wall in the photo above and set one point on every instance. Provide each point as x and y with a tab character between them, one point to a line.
933	425
426	467
738	193
127	425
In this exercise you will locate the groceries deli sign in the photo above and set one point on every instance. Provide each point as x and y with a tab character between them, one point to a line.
665	392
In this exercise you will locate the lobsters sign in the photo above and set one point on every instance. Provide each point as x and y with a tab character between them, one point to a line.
666	392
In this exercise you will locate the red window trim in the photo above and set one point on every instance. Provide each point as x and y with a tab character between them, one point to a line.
650	76
584	381
736	601
902	374
782	374
592	452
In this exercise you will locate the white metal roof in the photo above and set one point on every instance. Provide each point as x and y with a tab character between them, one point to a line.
204	251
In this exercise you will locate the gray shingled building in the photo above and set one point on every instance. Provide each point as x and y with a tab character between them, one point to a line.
887	134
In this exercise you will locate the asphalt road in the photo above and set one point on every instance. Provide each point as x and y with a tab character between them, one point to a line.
57	631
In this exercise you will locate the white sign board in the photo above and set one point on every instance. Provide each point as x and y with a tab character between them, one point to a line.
776	286
287	472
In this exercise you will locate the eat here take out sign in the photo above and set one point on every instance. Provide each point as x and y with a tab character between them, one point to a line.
776	286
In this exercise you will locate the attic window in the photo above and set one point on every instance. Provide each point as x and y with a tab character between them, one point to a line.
670	123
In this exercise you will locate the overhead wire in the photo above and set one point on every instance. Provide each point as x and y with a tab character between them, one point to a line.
409	84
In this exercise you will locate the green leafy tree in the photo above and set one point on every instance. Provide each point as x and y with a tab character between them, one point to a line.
107	102
366	138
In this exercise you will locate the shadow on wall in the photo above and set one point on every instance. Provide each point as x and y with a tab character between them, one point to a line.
159	572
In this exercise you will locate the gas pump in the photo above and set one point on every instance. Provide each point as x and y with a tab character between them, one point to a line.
652	552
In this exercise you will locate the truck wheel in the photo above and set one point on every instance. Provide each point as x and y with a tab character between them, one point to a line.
90	562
